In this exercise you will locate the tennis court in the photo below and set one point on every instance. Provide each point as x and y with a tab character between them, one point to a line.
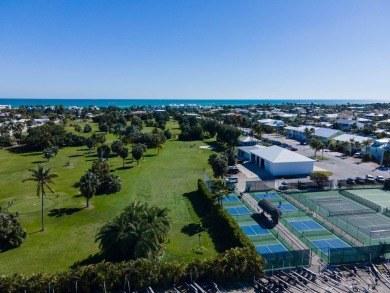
306	225
272	250
230	199
252	230
240	210
268	196
377	196
326	244
337	205
365	220
285	207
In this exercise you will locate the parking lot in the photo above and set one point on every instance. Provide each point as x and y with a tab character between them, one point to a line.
341	168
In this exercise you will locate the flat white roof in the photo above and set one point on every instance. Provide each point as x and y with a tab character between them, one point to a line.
277	154
347	137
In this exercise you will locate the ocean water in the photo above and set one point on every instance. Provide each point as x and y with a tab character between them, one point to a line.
122	103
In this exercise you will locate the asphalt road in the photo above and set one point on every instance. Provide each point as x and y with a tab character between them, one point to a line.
341	168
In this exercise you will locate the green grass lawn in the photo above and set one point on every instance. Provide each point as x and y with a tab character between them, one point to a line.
164	180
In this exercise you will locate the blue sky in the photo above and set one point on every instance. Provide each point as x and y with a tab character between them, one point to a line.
195	49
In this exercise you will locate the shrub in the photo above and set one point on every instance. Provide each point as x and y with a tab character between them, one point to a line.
386	185
12	233
225	227
236	264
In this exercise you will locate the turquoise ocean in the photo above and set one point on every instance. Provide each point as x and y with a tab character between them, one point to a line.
123	103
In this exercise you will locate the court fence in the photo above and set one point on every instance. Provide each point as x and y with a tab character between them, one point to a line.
287	260
258	185
345	222
340	255
363	201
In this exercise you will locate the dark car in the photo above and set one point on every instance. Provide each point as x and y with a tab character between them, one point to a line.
278	143
350	181
302	143
233	170
293	149
380	179
360	180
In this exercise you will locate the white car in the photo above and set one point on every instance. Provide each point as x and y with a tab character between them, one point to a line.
232	180
370	178
380	179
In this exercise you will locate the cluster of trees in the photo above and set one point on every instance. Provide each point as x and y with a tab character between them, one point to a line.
192	129
99	180
220	163
52	134
234	264
138	232
5	129
12	233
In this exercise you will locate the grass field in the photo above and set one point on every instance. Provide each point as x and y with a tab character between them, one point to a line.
165	180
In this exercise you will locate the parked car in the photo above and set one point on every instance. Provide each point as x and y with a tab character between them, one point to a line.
370	178
233	170
292	149
350	181
283	185
358	155
380	179
231	180
359	180
302	143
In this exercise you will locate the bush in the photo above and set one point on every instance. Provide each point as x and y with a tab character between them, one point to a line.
368	158
87	128
12	233
224	226
237	264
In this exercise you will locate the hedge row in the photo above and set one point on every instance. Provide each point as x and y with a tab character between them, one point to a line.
227	233
233	264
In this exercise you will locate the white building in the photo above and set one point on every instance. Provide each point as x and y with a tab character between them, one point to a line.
278	161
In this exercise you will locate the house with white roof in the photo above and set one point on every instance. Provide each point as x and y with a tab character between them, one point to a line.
278	161
324	134
248	140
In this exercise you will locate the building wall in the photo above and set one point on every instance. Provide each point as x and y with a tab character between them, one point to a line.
284	169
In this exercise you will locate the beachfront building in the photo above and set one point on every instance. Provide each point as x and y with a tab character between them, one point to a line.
277	161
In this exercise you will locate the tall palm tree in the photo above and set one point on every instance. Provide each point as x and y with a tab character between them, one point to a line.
89	184
43	178
351	145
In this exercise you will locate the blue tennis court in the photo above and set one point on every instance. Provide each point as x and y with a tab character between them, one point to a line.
268	251
252	230
286	207
231	198
235	211
270	195
325	244
307	225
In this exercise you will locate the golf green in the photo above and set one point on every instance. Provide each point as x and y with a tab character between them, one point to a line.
30	205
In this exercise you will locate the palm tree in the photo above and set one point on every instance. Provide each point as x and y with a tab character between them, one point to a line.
137	232
219	190
344	145
258	130
351	144
89	184
43	178
316	144
367	143
308	132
